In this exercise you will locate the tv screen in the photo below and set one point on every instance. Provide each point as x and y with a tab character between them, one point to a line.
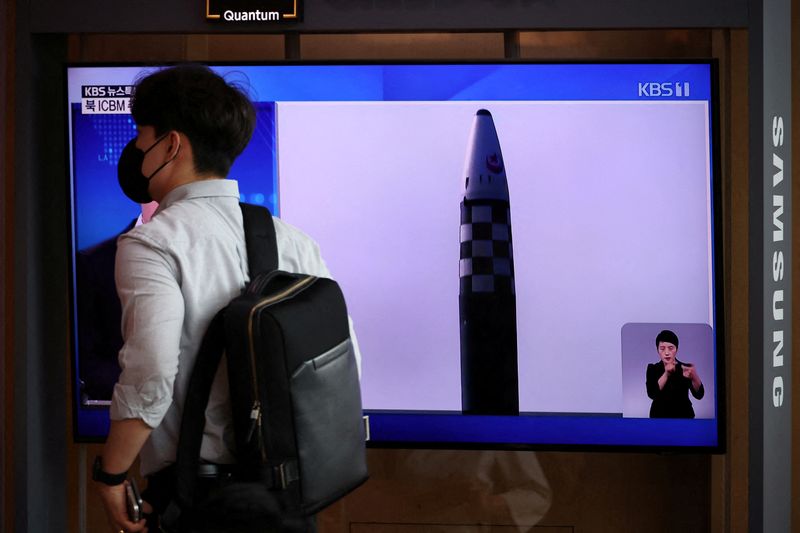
511	239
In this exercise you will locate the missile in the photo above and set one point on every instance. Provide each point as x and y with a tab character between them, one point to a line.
486	300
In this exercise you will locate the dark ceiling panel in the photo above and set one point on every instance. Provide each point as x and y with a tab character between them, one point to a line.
188	16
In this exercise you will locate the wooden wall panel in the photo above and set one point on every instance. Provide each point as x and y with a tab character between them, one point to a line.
234	47
729	472
736	237
151	48
445	489
403	46
615	44
529	491
159	48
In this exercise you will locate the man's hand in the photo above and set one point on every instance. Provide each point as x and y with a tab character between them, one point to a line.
116	509
125	439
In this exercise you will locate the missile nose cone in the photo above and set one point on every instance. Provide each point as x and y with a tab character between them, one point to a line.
484	166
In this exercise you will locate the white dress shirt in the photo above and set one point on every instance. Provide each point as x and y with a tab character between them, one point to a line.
173	275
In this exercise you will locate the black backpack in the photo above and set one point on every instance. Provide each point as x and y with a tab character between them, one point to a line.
295	396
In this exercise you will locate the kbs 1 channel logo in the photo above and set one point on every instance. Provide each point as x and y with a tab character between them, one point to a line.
669	89
106	99
260	11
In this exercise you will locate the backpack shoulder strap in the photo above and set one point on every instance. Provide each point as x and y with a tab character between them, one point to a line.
193	419
259	236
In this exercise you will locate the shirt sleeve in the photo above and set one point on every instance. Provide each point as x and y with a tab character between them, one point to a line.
152	319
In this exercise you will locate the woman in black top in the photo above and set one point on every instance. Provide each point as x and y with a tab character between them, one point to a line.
669	381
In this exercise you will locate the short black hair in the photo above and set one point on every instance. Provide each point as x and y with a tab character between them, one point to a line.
667	336
216	116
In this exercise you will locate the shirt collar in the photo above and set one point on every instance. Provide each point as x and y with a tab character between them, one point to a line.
200	189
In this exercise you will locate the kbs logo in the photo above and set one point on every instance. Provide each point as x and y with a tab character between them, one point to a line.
664	90
106	99
106	91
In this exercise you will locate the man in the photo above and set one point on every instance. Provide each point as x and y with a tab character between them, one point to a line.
174	273
669	381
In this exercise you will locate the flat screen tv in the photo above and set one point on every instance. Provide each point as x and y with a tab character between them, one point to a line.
511	238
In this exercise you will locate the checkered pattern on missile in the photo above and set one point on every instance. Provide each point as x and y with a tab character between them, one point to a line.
487	262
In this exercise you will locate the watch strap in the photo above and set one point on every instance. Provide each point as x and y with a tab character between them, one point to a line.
101	476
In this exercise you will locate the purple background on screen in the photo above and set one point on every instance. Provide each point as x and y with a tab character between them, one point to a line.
610	215
696	346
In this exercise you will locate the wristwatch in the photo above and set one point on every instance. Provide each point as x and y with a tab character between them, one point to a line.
101	476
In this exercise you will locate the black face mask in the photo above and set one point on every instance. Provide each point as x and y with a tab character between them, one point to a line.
129	171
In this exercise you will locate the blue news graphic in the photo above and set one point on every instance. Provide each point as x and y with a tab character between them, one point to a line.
386	83
102	211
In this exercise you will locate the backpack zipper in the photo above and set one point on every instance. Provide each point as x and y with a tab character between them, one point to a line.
255	411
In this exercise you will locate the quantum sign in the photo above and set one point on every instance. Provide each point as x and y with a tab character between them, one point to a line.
264	11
